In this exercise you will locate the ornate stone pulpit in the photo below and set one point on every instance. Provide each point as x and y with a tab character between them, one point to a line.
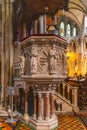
44	66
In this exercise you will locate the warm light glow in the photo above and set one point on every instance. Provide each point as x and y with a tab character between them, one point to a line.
74	66
60	12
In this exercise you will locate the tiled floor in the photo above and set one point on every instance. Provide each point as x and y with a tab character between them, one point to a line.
70	123
65	123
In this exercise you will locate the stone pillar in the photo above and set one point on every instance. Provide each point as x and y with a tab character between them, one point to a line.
64	91
26	116
41	24
68	93
34	105
24	31
39	106
52	105
16	102
36	28
76	99
58	88
47	106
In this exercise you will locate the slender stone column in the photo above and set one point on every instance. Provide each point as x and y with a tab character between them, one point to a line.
24	31
52	105
41	24
26	103
75	97
36	28
72	96
68	90
47	106
34	105
58	88
64	91
26	116
16	102
39	106
76	108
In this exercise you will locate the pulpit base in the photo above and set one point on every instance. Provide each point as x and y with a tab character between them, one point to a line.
44	124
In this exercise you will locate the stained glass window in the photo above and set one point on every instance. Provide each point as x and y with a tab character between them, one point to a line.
62	29
74	31
68	30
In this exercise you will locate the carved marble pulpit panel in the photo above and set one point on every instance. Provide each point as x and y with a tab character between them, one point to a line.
44	55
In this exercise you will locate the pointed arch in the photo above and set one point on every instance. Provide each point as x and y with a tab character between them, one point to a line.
62	28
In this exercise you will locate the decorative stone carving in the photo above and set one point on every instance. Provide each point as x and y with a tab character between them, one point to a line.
43	59
22	65
53	59
33	60
44	56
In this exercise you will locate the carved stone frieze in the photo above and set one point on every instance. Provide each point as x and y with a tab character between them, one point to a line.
44	86
44	56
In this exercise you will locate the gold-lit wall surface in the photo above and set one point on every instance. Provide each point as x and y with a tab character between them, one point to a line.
76	58
74	64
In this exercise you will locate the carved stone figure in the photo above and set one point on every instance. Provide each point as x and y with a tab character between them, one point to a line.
33	60
53	59
22	64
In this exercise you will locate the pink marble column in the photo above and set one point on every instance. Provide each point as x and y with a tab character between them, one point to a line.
26	103
52	105
47	106
34	105
39	106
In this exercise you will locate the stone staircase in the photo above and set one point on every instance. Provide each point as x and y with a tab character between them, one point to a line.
66	99
62	105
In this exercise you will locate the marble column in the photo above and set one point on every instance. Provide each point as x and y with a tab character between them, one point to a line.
34	105
47	106
39	106
24	31
52	105
64	91
26	103
68	93
75	97
16	102
41	24
26	116
36	26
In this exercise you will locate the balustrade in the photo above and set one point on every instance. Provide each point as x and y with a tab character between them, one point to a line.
69	92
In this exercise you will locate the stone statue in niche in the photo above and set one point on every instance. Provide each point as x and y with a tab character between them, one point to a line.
33	60
22	65
53	59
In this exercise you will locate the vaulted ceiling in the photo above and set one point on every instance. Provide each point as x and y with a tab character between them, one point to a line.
29	10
